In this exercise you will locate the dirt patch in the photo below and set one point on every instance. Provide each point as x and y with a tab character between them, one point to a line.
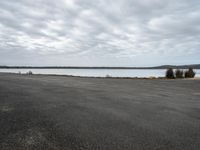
33	138
5	109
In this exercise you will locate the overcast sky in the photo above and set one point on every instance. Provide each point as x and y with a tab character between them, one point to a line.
99	32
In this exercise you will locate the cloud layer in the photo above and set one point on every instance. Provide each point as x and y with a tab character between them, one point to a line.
99	32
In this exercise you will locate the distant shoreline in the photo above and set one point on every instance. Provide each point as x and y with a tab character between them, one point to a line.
194	66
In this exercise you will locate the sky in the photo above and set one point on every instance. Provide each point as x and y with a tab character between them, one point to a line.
99	32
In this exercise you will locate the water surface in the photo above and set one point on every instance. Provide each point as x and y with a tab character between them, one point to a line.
98	72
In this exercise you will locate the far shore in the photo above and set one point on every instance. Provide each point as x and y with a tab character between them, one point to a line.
194	66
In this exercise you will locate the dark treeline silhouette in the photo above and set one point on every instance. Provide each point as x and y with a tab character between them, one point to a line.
195	66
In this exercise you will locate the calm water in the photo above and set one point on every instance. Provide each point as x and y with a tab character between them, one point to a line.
98	72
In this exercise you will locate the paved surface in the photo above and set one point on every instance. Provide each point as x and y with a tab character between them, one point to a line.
70	113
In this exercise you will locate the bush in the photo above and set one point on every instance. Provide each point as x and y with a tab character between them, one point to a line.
190	73
179	73
29	73
170	73
108	76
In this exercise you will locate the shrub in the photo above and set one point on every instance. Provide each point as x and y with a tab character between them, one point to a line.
170	73
179	73
189	73
29	73
108	76
152	77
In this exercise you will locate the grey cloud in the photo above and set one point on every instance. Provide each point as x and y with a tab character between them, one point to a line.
113	32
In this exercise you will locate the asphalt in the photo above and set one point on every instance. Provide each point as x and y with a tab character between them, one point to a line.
43	112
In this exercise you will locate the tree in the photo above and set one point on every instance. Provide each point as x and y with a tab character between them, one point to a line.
179	73
190	73
170	73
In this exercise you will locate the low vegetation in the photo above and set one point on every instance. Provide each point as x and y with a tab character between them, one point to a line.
29	73
171	74
190	73
179	73
108	76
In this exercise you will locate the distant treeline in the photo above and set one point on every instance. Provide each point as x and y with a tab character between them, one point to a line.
196	66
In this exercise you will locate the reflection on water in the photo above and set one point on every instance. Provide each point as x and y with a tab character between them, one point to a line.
98	72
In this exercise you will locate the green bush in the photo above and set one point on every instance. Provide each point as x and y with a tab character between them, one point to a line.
189	73
170	73
179	73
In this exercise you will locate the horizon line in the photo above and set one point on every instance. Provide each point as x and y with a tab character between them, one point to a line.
101	67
